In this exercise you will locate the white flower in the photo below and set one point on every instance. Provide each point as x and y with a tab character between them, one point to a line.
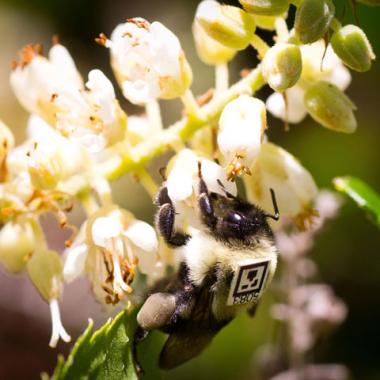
241	127
53	89
36	79
108	248
294	187
183	182
148	61
91	116
17	191
45	156
314	69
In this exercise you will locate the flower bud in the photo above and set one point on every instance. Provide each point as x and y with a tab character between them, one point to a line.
265	7
45	272
330	107
242	124
282	66
230	26
209	50
277	169
352	46
17	242
313	19
47	155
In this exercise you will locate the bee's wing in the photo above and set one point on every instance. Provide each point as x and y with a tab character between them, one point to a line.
183	346
194	334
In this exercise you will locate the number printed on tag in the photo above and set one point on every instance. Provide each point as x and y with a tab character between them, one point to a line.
248	282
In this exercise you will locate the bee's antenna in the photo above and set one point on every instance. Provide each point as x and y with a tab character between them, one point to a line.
162	172
228	194
200	169
276	215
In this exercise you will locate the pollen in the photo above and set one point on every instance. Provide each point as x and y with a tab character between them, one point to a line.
101	40
140	23
29	52
236	168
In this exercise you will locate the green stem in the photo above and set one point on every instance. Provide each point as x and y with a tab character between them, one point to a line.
191	105
281	29
335	24
154	116
260	45
221	77
147	181
89	203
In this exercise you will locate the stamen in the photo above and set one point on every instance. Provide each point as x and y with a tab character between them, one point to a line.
58	331
118	283
236	168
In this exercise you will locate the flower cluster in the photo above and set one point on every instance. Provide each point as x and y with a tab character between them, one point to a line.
79	137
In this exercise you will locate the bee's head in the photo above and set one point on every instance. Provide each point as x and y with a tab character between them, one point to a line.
239	220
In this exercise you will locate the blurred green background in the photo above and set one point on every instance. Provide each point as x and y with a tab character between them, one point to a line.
347	252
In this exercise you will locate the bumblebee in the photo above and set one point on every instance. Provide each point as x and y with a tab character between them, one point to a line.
226	264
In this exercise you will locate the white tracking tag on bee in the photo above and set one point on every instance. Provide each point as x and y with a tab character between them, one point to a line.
248	282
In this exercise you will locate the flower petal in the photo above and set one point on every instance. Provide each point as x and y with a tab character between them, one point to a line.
142	235
104	229
74	263
296	110
212	172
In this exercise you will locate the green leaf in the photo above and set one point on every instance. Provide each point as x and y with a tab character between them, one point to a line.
362	194
103	354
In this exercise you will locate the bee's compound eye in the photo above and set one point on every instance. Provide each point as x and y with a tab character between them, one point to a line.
234	218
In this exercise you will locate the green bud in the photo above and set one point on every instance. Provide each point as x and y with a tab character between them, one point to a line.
282	66
352	46
265	7
230	26
313	19
45	271
265	22
209	50
17	242
330	107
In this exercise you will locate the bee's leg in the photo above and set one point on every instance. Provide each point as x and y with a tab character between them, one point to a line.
204	201
165	220
162	197
184	304
140	335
